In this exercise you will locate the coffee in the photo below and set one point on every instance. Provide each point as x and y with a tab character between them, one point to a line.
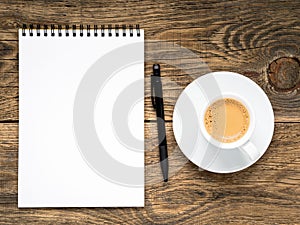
227	120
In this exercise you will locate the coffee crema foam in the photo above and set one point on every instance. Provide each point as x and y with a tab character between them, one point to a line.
227	120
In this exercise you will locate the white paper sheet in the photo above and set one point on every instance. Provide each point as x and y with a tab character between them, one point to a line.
81	121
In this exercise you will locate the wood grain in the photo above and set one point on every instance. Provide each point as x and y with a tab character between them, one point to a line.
286	103
260	39
267	192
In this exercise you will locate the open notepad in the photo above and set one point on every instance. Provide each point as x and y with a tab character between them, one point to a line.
81	129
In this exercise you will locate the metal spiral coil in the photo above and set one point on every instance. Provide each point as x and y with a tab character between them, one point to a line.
73	31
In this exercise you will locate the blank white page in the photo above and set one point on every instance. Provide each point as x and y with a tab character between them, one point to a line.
81	120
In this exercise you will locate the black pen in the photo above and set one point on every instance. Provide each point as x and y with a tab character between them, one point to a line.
158	104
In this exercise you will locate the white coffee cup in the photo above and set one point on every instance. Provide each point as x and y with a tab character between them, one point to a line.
244	144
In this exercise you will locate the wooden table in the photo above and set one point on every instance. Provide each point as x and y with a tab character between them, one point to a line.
260	39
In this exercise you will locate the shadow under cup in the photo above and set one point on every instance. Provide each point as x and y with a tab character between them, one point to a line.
217	117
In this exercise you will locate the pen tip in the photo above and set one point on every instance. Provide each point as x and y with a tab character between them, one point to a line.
166	180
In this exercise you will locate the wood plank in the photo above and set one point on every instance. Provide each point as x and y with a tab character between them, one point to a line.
155	16
267	193
286	103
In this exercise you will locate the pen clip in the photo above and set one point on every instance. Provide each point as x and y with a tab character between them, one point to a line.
153	92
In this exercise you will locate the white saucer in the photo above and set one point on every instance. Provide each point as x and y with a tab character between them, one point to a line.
186	120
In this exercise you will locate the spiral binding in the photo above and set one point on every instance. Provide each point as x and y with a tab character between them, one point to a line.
111	30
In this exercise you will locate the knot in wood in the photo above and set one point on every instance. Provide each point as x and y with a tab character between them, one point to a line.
284	73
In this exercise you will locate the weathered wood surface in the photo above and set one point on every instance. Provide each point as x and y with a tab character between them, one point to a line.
260	39
267	192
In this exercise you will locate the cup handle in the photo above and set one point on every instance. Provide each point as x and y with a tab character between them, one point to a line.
250	150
